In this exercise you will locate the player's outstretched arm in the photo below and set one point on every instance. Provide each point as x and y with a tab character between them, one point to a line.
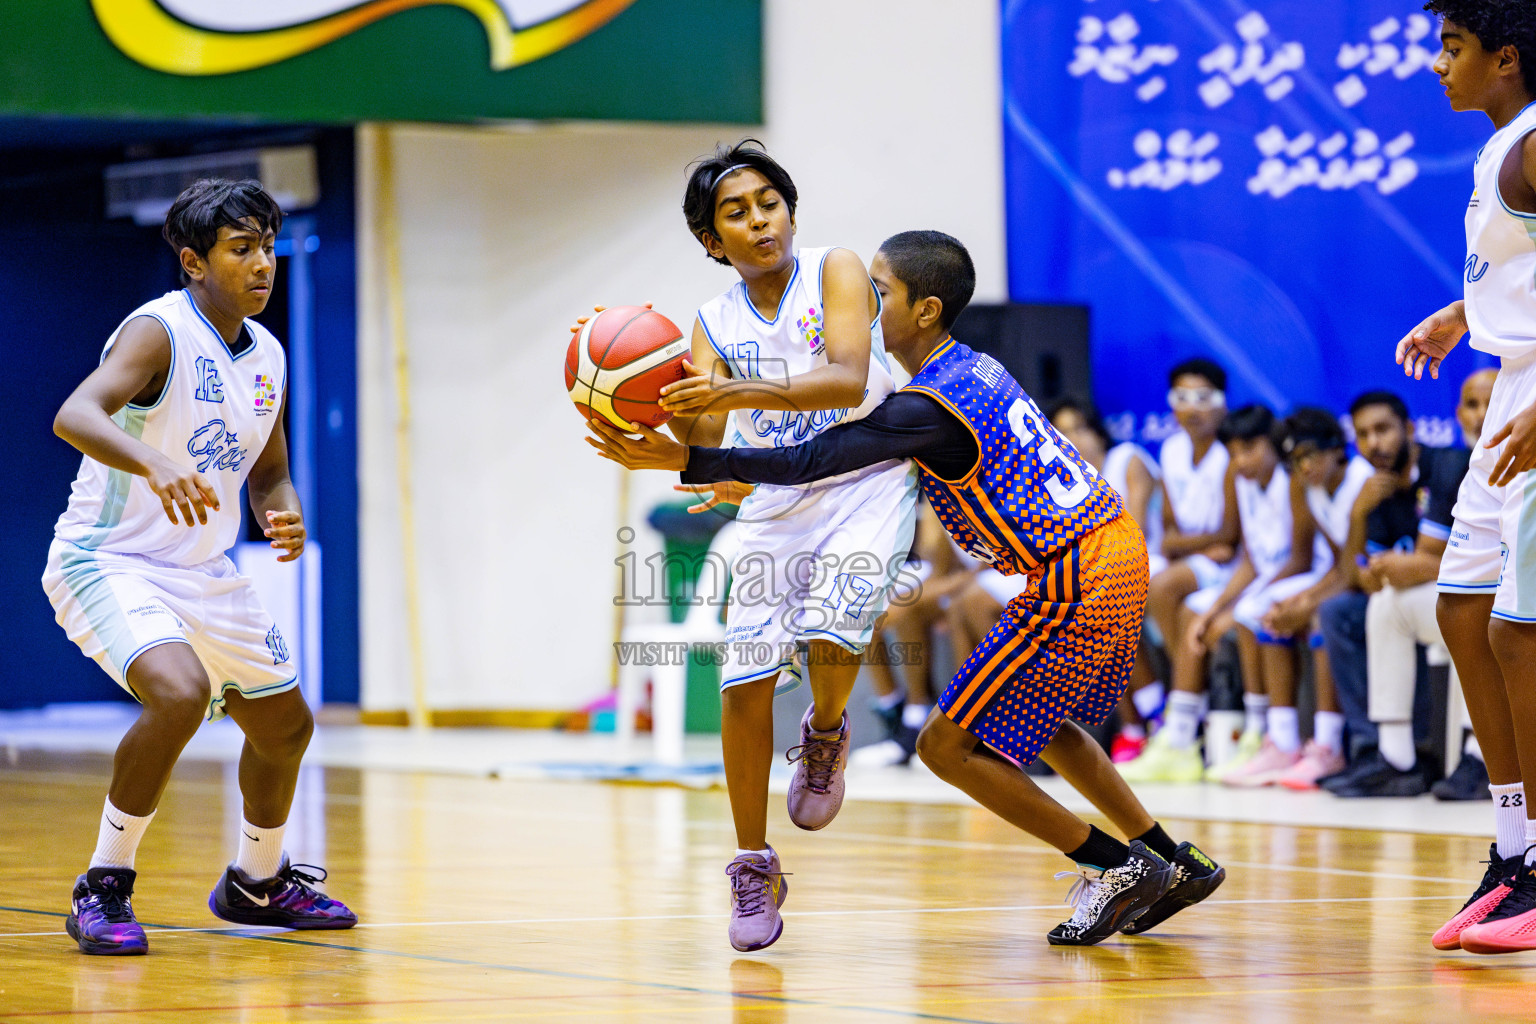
273	496
850	308
1431	341
906	425
136	368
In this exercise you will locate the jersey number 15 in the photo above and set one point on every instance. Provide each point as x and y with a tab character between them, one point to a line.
1022	416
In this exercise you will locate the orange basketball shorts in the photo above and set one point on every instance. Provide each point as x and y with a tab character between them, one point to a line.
1063	648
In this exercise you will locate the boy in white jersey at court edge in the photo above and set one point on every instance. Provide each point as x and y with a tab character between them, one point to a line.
1199	548
792	348
185	408
1487	603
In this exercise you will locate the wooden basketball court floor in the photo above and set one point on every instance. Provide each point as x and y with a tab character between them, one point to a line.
487	900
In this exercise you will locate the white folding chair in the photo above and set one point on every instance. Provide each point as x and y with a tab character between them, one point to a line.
669	679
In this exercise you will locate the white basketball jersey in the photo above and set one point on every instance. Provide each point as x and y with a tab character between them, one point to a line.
1500	270
1116	472
1266	518
1331	511
792	343
215	415
1197	493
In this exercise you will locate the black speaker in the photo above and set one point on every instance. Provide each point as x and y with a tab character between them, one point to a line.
1045	347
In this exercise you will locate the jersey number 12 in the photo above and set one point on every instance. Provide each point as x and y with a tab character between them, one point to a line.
1021	415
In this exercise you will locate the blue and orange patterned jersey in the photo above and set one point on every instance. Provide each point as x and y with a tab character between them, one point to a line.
1030	495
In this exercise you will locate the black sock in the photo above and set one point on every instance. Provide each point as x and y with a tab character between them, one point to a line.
1158	842
1101	850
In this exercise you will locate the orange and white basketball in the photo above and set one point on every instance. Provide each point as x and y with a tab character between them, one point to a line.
620	360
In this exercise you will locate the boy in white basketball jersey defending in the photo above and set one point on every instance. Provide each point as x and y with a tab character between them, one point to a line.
1487	603
184	409
794	347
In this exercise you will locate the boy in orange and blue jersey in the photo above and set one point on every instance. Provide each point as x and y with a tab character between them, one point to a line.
1014	493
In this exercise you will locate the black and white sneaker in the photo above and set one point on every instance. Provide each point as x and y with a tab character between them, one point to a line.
1107	901
1195	876
288	899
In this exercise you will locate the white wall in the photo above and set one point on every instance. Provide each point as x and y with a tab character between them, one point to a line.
508	233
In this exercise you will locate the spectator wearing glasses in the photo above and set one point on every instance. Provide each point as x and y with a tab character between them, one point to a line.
1200	537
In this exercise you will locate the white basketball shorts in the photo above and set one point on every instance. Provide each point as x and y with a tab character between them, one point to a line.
116	606
1492	546
816	563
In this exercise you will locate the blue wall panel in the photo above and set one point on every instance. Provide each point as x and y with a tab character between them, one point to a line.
1279	186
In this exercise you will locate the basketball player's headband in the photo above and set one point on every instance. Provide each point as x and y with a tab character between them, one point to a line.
725	174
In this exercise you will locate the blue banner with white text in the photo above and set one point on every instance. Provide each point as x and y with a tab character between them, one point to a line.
1278	186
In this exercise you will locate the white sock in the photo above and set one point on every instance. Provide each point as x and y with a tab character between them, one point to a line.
914	715
890	700
1395	740
1328	730
1284	729
1471	749
1509	818
1148	699
1254	707
118	838
1530	842
1133	732
261	850
1181	720
765	854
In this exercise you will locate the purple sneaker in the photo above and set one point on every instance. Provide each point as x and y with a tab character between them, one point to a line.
101	914
816	792
286	900
758	890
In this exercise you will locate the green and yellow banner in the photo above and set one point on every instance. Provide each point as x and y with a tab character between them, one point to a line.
352	60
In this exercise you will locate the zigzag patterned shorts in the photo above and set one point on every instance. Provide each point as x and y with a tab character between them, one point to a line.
1063	648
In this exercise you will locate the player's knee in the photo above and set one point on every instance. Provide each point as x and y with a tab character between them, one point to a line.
938	745
289	738
177	702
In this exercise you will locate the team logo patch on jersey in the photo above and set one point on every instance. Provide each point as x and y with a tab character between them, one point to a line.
266	393
277	645
215	446
810	329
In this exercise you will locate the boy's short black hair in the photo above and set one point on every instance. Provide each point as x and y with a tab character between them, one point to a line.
1497	24
1247	423
194	219
1397	405
931	263
1199	367
1310	425
706	173
1091	418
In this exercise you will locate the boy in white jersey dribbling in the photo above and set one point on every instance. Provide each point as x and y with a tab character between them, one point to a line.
184	409
794	347
1487	603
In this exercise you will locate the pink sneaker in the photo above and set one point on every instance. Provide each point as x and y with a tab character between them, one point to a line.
816	791
1127	748
1509	927
1264	769
1498	882
758	891
1316	762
